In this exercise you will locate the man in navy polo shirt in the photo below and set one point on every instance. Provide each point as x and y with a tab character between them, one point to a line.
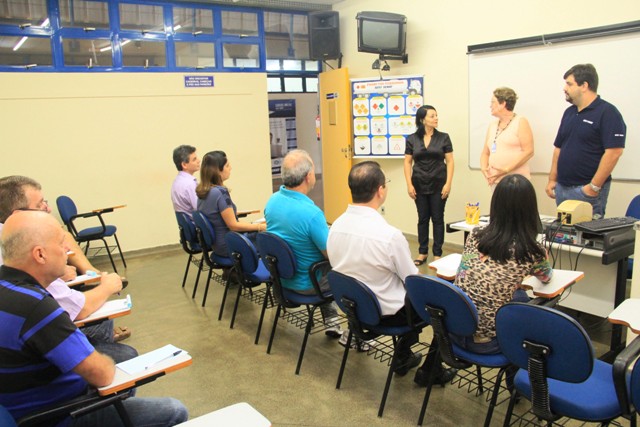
589	143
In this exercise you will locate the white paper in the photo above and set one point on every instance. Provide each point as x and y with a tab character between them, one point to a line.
108	308
148	360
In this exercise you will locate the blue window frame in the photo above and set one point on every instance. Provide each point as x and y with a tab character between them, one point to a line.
152	35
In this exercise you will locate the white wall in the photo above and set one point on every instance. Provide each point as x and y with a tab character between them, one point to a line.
106	139
439	32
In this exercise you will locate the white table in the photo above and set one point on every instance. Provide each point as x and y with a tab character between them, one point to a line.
241	414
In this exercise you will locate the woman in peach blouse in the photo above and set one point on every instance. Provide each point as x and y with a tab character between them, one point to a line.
509	142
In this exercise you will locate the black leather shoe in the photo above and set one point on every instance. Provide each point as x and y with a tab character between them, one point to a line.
408	364
443	377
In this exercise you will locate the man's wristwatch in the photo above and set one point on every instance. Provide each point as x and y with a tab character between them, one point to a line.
594	187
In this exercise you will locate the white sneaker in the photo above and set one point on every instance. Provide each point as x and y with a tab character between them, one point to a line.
333	328
356	343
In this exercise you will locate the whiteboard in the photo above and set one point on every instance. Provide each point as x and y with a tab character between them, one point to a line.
535	73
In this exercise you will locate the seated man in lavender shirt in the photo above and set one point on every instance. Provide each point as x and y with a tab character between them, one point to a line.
23	193
183	190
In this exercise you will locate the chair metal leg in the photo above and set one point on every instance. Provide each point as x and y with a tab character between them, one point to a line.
431	375
273	328
186	271
224	295
106	246
124	415
479	376
206	288
392	367
512	402
267	297
494	397
235	307
307	331
119	250
199	271
345	354
86	248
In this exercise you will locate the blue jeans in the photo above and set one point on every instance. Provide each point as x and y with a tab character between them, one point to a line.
143	412
101	337
571	192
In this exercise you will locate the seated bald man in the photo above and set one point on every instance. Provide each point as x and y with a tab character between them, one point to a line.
44	358
20	192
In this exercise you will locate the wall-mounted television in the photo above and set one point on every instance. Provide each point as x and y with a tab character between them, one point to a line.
382	33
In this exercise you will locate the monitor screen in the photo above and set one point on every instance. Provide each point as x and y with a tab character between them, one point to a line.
380	32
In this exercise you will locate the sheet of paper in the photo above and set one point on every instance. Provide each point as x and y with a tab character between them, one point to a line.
148	360
82	279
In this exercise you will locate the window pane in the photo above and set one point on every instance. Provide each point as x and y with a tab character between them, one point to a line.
141	17
19	12
192	20
286	35
293	84
195	54
84	14
311	66
241	55
273	65
94	53
312	84
142	53
25	50
289	65
274	84
240	23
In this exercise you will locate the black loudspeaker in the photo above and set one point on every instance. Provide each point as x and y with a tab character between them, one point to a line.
324	35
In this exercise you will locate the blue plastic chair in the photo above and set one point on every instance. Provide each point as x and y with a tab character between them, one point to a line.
69	214
558	371
634	211
6	420
190	244
450	311
250	269
281	263
207	237
363	312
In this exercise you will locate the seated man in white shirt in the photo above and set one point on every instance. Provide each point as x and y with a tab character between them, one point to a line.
364	246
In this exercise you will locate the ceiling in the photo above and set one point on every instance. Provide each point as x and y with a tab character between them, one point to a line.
272	4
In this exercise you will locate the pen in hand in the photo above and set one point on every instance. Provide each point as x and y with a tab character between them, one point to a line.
174	354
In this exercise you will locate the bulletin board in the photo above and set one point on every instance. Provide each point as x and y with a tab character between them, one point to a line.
384	114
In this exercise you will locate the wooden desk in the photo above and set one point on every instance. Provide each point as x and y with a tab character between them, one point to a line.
561	280
242	214
627	314
240	414
84	279
109	209
123	381
109	310
447	267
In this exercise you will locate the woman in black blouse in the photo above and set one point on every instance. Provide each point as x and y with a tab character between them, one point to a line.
428	170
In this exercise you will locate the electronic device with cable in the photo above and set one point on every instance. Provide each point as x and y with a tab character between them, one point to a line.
574	211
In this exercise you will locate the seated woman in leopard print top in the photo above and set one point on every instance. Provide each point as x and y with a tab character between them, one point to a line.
498	257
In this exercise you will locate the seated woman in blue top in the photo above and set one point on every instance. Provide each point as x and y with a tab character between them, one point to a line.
214	200
496	259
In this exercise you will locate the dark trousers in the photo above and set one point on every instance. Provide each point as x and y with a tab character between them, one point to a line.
430	208
402	318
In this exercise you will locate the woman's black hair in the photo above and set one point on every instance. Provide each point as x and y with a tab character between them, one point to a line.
420	115
513	228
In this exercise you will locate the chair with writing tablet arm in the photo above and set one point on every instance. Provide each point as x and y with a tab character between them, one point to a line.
69	214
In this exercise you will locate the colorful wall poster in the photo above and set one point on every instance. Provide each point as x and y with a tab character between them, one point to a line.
384	114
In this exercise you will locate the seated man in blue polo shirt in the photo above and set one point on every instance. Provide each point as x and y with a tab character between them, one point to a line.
293	216
44	358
